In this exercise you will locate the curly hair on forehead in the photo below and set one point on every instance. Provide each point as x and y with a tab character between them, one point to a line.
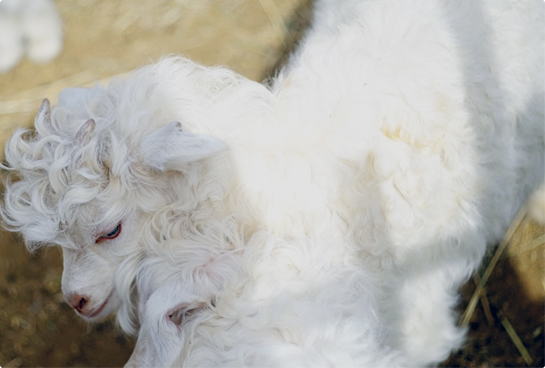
51	173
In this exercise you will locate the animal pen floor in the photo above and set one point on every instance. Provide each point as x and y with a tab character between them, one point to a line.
107	38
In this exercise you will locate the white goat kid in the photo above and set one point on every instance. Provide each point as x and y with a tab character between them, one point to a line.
31	27
302	311
401	138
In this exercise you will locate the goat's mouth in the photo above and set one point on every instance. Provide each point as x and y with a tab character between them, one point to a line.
96	311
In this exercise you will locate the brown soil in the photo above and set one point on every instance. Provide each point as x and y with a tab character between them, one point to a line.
106	38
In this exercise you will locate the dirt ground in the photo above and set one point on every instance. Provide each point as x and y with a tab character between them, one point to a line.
107	38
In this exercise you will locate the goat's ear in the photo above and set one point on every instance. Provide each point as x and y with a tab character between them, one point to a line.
176	315
170	303
182	311
170	147
77	98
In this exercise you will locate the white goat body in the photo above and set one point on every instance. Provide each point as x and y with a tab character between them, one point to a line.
400	140
275	303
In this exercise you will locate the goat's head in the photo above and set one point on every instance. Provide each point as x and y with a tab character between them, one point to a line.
161	337
87	180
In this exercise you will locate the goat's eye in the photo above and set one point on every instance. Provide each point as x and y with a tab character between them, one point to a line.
111	235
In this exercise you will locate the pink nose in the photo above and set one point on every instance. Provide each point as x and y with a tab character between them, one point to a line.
77	301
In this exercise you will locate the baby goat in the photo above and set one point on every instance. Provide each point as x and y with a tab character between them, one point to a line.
360	188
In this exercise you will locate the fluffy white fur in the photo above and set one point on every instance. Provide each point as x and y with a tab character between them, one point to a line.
31	27
263	302
536	208
327	218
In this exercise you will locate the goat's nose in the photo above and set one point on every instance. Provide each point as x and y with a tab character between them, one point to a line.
77	301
